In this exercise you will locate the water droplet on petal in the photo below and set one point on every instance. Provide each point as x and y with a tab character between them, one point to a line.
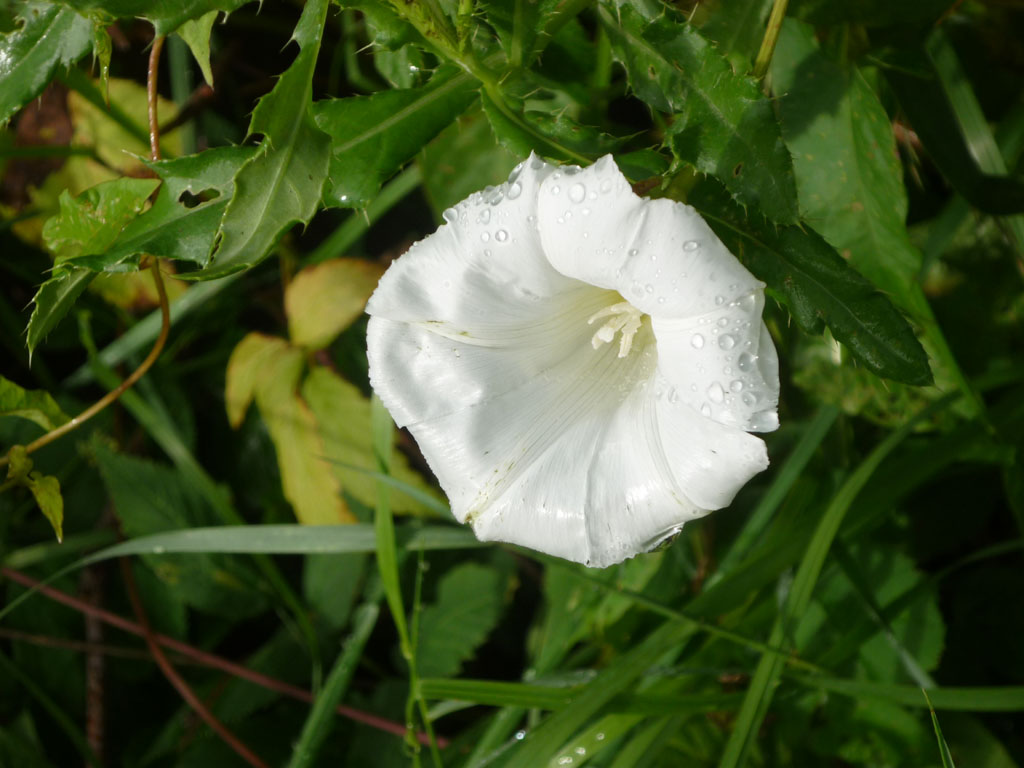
606	186
736	385
450	215
748	399
745	361
705	410
577	193
633	251
715	393
697	341
725	341
485	236
585	211
501	235
485	216
661	299
691	245
719	300
555	189
723	321
649	288
514	190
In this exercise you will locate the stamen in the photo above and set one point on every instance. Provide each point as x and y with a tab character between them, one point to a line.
623	317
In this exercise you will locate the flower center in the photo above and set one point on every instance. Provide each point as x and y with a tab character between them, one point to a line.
622	317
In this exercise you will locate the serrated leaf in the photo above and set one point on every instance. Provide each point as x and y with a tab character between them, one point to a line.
550	135
343	415
323	300
267	370
165	15
283	182
373	136
196	34
87	224
151	498
819	287
848	175
736	27
49	37
45	489
468	606
722	124
183	220
36	405
53	300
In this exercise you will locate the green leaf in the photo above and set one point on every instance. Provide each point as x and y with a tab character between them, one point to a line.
53	300
722	123
552	135
373	136
165	15
45	489
947	758
468	606
34	405
196	34
819	287
49	37
87	224
736	27
848	174
283	182
268	370
875	13
184	217
150	499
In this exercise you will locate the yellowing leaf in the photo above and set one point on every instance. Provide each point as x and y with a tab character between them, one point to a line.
34	405
44	488
267	370
344	416
325	299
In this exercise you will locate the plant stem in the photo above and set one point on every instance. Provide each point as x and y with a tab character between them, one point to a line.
771	37
151	96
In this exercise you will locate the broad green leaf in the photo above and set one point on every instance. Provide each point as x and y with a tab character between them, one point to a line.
848	174
467	608
185	215
819	287
268	370
343	415
196	34
48	37
45	489
323	300
53	300
89	223
373	136
283	182
550	135
737	27
149	499
722	124
33	404
165	15
331	583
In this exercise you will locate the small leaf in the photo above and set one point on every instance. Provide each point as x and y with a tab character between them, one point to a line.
102	51
196	34
35	405
468	606
53	300
722	124
184	217
19	464
49	37
267	370
325	299
165	17
947	758
820	288
283	182
46	490
373	136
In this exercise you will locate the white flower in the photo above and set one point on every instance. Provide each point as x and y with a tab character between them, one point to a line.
580	366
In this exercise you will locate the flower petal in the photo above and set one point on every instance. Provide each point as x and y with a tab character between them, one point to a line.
723	364
659	254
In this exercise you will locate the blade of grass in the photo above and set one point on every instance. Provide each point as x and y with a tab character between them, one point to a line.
947	758
769	669
1009	698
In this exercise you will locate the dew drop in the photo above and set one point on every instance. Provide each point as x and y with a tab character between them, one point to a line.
745	361
485	216
580	751
638	290
649	288
501	235
705	410
715	393
673	396
725	341
661	299
719	300
450	215
520	735
555	189
158	550
599	736
691	245
565	760
747	303
606	186
736	386
722	322
585	211
633	251
487	252
485	236
697	341
577	193
748	399
514	190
